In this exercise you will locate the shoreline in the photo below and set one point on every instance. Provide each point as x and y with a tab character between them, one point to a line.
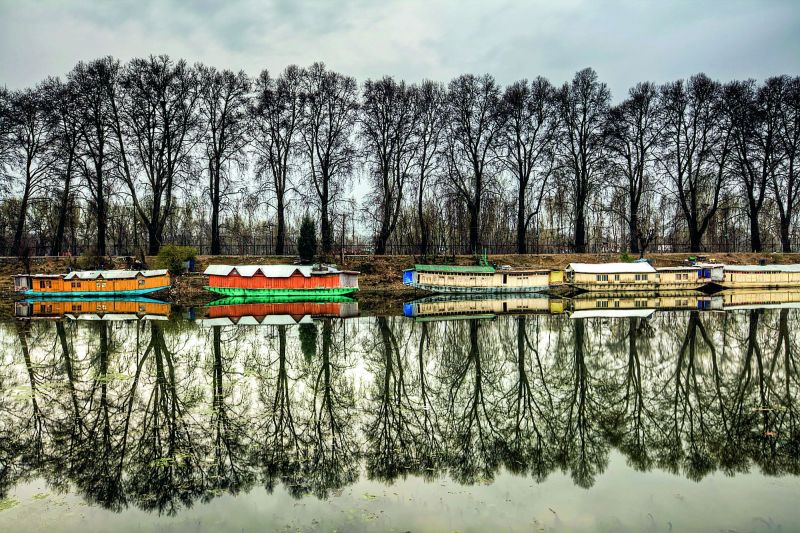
380	278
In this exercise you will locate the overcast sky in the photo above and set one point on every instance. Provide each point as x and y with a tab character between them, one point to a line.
624	40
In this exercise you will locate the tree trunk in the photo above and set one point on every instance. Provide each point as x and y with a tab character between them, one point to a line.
633	228
755	232
694	239
63	211
325	228
423	227
153	238
786	244
522	245
215	241
474	222
280	232
23	209
580	232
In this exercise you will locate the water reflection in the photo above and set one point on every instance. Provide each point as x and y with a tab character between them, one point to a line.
160	415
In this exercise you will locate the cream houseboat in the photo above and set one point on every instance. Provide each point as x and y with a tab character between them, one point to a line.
640	276
758	276
479	279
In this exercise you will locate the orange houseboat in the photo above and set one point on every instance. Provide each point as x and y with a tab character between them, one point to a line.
93	283
280	280
246	311
93	309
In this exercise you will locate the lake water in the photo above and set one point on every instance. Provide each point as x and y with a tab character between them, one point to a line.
665	421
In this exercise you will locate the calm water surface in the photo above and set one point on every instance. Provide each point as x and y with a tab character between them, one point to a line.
673	422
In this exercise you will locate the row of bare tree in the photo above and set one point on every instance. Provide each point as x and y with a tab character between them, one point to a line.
154	133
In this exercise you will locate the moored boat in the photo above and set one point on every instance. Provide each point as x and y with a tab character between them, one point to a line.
280	280
102	308
480	279
760	276
640	276
92	283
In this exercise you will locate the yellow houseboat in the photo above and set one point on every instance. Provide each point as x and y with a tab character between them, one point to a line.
93	309
620	277
480	279
92	283
455	307
758	276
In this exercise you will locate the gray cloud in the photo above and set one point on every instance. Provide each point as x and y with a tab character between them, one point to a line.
624	40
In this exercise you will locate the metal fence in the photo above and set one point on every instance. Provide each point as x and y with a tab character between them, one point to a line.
357	248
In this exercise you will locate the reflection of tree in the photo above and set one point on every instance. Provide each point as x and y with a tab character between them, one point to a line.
474	439
331	444
530	430
581	446
158	415
391	433
164	467
229	470
281	453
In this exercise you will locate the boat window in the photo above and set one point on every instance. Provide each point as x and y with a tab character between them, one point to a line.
616	277
505	279
602	277
141	282
641	277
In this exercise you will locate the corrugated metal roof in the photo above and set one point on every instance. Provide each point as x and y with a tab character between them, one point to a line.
113	274
759	268
612	268
271	271
454	268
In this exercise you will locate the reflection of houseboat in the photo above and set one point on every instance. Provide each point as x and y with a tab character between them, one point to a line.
280	280
480	306
479	279
276	311
640	276
764	276
93	283
761	299
93	309
620	304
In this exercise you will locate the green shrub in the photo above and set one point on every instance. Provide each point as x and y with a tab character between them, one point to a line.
307	242
626	257
173	257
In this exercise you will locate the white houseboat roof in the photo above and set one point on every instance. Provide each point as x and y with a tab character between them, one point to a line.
612	313
678	269
113	274
760	268
612	268
272	271
269	320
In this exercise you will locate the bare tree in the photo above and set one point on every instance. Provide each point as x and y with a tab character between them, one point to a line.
785	179
155	125
526	146
388	121
431	99
224	97
94	82
695	150
31	133
633	132
473	126
583	107
277	115
330	116
753	113
66	143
